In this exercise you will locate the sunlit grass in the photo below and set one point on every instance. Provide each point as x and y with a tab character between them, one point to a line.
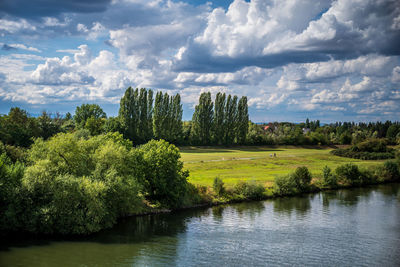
256	163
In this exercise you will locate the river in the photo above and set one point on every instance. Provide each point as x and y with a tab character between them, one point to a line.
352	227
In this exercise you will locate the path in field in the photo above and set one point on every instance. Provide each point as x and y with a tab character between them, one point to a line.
256	163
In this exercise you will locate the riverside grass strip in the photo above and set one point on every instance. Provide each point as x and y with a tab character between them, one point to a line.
258	163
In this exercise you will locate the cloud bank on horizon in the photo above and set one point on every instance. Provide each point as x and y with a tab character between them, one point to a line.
327	60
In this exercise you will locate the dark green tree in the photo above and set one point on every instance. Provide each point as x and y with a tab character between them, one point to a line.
230	119
242	120
85	111
157	116
203	120
219	119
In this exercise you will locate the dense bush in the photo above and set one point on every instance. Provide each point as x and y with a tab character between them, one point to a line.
362	155
328	178
218	187
302	178
251	191
10	193
389	171
350	174
285	185
296	182
164	179
371	149
80	185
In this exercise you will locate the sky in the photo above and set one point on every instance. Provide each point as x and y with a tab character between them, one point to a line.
327	60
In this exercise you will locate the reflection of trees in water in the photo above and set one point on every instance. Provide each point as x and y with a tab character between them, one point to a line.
350	197
250	209
217	212
286	205
389	189
142	228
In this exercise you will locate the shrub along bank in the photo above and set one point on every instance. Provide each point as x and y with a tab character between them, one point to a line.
75	183
371	149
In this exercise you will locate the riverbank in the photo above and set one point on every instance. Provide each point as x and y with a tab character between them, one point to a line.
221	201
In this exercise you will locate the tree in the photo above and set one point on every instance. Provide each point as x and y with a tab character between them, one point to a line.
203	120
230	119
164	179
242	120
135	114
128	114
81	185
18	128
176	127
218	187
219	118
86	111
302	178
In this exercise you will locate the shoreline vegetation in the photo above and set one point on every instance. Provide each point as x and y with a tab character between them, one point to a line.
77	184
77	175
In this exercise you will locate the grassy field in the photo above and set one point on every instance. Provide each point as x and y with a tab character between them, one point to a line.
256	163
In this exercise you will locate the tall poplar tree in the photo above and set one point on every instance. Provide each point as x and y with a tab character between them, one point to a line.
230	119
242	120
177	111
203	119
143	124
127	114
157	116
219	119
149	128
135	114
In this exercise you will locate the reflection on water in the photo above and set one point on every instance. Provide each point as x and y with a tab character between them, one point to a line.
345	227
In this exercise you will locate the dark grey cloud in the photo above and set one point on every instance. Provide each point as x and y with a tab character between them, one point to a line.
347	30
50	8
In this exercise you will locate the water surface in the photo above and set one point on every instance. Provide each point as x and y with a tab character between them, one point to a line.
357	227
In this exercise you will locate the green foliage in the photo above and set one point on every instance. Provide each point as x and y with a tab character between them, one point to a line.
231	114
391	170
17	128
350	174
328	178
348	153
202	120
86	111
164	179
302	178
242	120
10	193
371	149
371	145
219	119
81	185
285	185
250	191
95	126
219	187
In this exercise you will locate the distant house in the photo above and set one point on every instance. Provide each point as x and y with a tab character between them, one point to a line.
306	130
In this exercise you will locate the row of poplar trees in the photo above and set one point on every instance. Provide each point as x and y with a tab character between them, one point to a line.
143	118
224	123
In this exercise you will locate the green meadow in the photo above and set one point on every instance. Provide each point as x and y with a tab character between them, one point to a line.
257	164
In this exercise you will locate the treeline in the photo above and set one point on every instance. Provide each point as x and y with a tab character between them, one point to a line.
141	118
224	121
313	133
